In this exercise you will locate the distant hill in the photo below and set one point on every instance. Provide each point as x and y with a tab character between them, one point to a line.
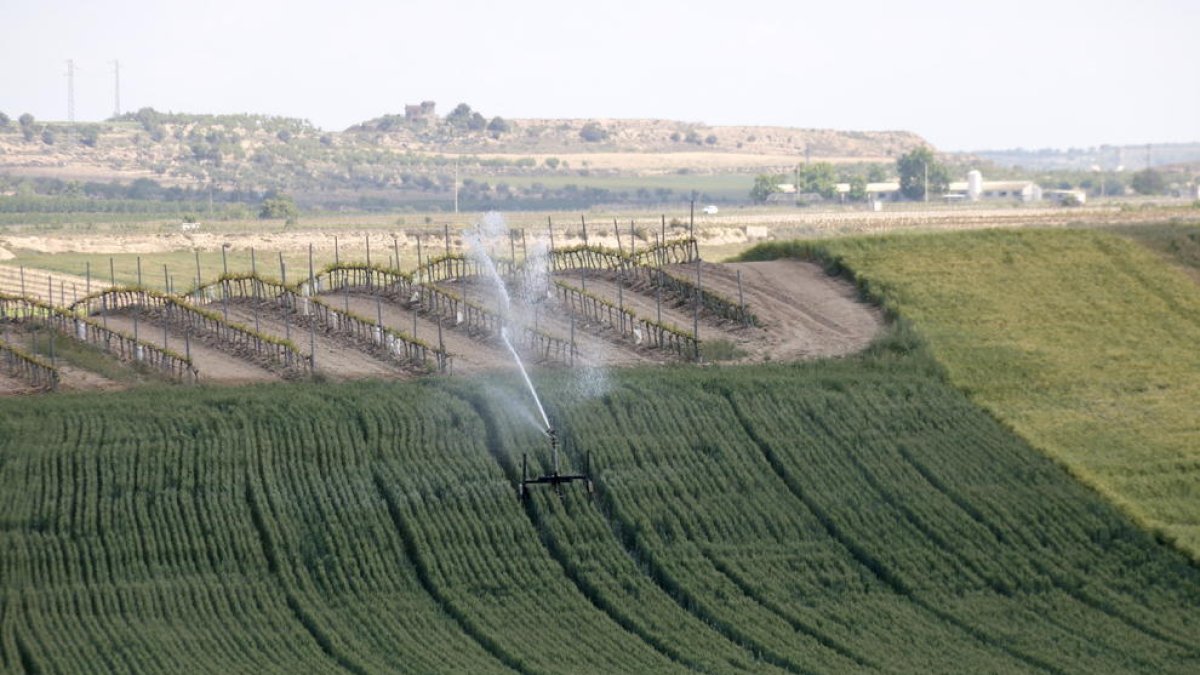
543	136
1102	158
395	157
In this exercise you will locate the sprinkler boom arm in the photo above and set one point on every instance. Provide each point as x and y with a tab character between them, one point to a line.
554	478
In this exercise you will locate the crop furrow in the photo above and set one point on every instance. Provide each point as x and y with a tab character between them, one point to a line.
1059	582
593	594
799	626
28	663
870	562
423	576
298	612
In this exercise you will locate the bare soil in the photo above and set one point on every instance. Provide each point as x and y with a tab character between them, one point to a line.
336	358
804	312
213	364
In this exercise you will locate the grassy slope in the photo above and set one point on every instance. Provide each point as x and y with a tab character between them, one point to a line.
855	515
1083	342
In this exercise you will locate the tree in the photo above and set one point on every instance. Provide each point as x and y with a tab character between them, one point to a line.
460	117
498	126
26	122
592	132
819	178
912	168
5	120
48	137
858	189
764	186
279	206
1148	182
89	136
877	173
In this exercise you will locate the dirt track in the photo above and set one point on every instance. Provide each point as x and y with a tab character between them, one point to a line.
805	313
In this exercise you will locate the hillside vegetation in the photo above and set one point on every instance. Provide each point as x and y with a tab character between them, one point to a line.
1083	342
854	515
392	162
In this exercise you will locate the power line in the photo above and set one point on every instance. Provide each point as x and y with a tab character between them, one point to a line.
71	91
116	88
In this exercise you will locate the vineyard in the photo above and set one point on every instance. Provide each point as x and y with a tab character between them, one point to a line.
577	305
850	515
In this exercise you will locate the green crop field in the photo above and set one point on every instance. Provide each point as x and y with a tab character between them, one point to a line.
1084	342
841	516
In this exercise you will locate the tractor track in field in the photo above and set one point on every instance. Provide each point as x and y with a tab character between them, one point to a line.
877	567
1057	579
297	610
546	538
419	564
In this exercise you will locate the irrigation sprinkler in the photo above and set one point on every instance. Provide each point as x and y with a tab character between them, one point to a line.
555	478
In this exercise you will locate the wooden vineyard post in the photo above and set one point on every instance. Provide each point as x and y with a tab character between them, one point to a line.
446	238
550	229
617	231
414	313
53	334
419	263
742	300
312	319
658	293
379	315
524	247
396	250
287	327
167	307
632	240
441	343
112	275
254	274
663	238
512	247
692	220
137	308
224	281
572	348
621	306
696	313
187	345
23	280
198	280
583	221
87	290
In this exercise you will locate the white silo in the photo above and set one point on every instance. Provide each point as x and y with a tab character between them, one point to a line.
974	185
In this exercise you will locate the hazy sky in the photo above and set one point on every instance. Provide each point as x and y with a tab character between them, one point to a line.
965	75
